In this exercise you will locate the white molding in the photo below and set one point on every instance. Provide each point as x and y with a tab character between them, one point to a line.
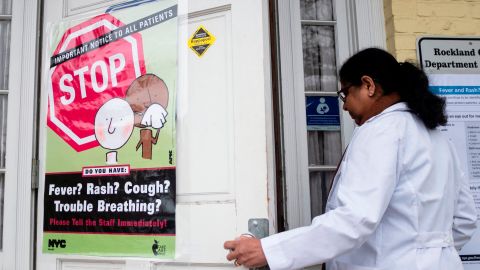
18	248
346	42
25	213
294	121
269	115
361	25
370	24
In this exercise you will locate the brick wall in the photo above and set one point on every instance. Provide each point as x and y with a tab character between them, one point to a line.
405	20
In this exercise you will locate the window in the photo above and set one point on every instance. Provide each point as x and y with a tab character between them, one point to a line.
5	24
320	78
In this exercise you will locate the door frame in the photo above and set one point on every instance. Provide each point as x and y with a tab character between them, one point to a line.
267	180
20	203
359	24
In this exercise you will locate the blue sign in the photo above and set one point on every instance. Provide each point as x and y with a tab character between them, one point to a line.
455	90
322	113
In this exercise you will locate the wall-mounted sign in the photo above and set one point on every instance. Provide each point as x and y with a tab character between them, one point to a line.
449	55
322	113
452	66
110	173
200	41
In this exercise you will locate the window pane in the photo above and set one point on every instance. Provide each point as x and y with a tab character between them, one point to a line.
319	64
2	185
324	147
320	10
6	7
3	129
320	183
4	53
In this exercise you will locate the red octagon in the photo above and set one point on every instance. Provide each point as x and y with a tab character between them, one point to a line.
81	85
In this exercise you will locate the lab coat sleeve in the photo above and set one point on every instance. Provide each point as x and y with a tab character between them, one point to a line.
366	185
465	215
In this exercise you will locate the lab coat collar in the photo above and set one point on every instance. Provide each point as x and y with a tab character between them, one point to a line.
400	106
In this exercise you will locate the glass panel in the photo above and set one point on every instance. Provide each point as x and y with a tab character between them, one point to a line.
319	64
320	183
324	147
4	53
3	129
2	185
320	10
6	7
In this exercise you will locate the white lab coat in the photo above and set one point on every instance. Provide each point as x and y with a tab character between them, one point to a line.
400	201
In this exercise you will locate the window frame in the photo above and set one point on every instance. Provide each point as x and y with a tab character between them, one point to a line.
19	202
3	170
351	34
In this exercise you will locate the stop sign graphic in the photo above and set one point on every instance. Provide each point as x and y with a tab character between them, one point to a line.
79	86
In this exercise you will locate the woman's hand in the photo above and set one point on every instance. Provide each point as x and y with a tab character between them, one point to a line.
246	251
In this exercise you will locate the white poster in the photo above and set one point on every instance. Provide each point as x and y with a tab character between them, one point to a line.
452	66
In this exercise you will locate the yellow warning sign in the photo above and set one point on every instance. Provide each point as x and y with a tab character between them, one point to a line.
200	41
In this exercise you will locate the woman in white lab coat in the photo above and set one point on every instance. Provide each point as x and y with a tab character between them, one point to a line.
399	200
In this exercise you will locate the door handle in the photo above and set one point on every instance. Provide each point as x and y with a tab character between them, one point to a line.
258	227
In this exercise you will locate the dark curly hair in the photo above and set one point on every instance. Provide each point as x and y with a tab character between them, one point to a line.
410	82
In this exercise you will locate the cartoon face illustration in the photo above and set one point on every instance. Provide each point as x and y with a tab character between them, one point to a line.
114	123
146	90
148	98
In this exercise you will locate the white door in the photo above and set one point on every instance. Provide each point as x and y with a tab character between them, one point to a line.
224	156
